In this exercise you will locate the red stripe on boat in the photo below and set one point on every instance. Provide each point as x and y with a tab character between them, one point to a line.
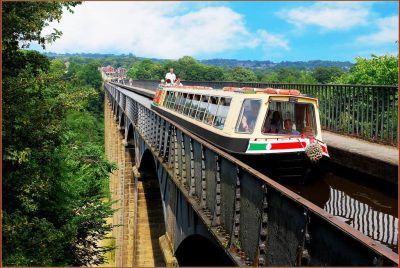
324	149
288	145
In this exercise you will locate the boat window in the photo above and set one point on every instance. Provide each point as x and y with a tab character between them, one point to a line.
173	99
164	103
182	103
211	110
177	101
288	118
222	112
168	99
188	104
248	116
195	104
202	107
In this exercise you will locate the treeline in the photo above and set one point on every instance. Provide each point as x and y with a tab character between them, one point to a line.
379	70
55	174
126	61
266	64
376	70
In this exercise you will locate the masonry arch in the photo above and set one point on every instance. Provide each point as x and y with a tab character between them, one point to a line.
197	250
122	121
129	135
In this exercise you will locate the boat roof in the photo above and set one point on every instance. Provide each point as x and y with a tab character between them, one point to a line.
242	90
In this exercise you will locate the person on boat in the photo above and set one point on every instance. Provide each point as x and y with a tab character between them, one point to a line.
288	128
275	124
250	117
171	76
178	82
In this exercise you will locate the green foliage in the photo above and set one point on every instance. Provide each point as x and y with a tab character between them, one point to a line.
379	70
54	165
23	22
54	171
90	75
35	241
145	70
187	68
131	73
126	61
239	74
325	75
286	75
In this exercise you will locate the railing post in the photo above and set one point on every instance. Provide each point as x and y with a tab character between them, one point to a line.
262	242
217	209
166	155
183	160
203	202
235	240
192	190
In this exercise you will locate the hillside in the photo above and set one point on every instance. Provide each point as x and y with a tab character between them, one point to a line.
253	64
225	63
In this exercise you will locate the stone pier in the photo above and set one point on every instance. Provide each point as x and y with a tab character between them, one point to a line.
122	188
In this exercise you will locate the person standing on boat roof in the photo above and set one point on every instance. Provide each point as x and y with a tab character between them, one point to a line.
170	76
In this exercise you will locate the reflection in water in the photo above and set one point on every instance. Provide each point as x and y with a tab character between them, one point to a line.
370	210
375	224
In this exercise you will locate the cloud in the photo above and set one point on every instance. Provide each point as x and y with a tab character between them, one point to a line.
273	40
387	32
155	29
328	15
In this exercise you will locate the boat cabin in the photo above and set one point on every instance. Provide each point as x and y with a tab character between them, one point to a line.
235	118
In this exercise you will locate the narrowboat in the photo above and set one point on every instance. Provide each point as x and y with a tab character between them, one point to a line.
275	130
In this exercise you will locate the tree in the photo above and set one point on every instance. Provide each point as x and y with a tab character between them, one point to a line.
131	73
306	78
271	77
324	75
52	193
90	75
213	73
146	70
379	70
23	23
239	74
289	75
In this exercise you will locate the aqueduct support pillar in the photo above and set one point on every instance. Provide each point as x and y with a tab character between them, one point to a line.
122	190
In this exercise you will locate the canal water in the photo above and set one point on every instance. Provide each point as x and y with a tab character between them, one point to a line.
362	202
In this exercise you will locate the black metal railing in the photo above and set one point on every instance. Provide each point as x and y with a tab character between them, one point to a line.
363	111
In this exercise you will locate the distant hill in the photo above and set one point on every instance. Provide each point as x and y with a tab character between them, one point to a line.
254	64
225	63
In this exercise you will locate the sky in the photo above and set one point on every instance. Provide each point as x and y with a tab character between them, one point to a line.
276	31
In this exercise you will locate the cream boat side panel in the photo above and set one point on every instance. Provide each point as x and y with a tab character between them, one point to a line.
235	108
197	122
